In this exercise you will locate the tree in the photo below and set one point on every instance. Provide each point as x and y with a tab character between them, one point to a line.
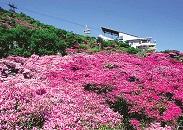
45	42
6	41
21	35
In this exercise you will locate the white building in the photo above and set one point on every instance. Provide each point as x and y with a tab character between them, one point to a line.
134	41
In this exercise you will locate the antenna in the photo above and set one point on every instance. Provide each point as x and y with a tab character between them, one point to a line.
12	8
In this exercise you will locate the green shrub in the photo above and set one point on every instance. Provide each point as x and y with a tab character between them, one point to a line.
123	44
141	54
95	49
84	46
36	120
132	50
44	42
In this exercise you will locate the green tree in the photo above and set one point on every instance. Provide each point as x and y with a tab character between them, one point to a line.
21	35
20	41
6	41
45	42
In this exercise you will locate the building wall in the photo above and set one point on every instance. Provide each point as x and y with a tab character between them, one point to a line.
126	36
134	45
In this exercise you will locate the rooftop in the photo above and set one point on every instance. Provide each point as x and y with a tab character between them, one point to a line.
114	32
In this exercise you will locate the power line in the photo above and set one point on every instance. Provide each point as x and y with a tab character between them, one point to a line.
78	24
52	17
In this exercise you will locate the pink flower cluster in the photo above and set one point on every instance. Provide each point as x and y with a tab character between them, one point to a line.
42	86
70	51
157	126
136	124
8	17
23	23
70	92
6	25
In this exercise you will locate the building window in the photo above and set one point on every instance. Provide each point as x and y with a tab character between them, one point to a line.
144	41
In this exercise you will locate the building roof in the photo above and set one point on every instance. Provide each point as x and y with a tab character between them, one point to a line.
110	31
114	32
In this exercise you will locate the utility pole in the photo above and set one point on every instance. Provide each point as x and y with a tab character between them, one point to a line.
12	8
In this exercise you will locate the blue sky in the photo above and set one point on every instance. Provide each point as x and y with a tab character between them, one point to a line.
160	19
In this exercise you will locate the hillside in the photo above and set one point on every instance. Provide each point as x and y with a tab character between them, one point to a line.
24	36
53	79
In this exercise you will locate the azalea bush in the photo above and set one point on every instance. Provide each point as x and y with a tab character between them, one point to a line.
98	91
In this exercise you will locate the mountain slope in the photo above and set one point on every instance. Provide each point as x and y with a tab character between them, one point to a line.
24	36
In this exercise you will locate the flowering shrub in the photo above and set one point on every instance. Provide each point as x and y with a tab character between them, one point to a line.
157	126
82	91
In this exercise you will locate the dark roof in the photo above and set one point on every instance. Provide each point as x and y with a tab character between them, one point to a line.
114	32
110	31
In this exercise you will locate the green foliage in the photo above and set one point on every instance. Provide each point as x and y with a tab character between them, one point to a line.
108	43
84	46
44	42
36	120
95	49
92	40
123	107
141	54
22	15
22	35
6	41
110	66
132	50
180	121
166	51
109	128
123	44
16	51
60	47
70	38
104	88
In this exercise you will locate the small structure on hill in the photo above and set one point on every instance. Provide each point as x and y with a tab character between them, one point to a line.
12	8
134	41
